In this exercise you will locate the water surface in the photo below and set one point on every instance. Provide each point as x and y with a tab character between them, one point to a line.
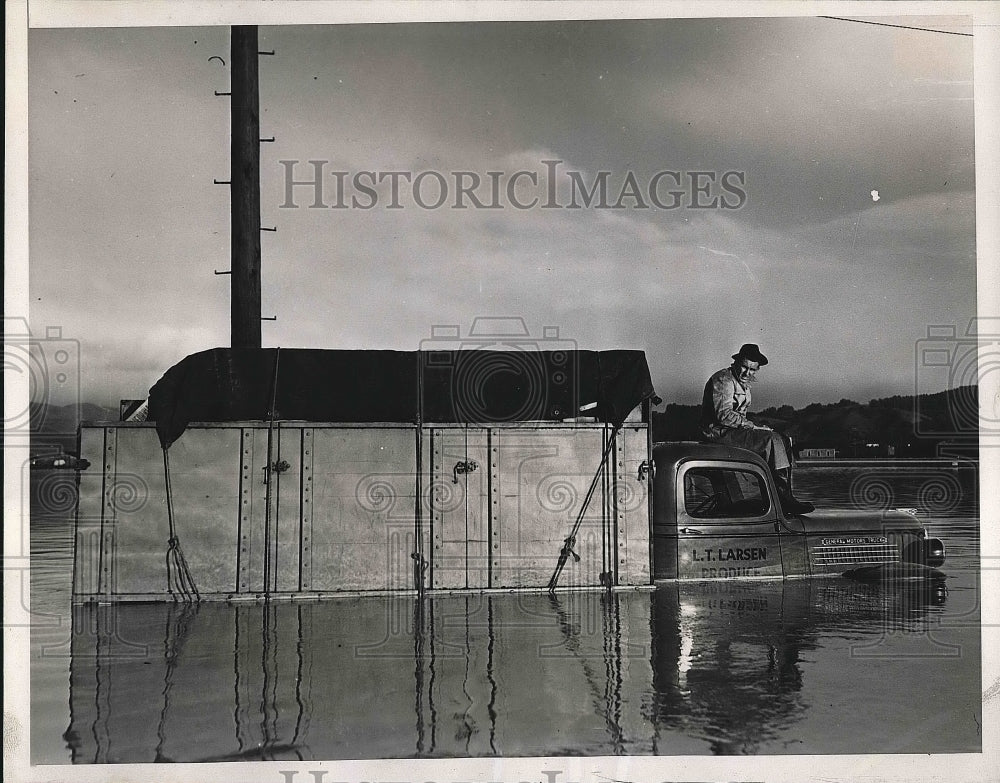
800	666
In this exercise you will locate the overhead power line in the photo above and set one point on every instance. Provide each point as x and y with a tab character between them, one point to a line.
900	26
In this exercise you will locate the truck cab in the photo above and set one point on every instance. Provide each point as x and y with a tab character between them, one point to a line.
716	515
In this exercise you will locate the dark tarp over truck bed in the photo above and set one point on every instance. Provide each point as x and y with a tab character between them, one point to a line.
471	386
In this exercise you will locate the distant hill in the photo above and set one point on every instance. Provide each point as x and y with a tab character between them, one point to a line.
55	426
905	426
910	426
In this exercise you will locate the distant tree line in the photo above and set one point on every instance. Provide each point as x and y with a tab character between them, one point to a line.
919	426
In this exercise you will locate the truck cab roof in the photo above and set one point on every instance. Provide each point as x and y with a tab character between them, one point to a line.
672	453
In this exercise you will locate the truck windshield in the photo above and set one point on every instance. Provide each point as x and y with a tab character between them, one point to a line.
724	493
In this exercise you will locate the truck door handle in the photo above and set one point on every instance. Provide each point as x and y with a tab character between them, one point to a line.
646	468
691	531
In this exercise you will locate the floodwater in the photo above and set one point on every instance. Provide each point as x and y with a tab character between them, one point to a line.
728	667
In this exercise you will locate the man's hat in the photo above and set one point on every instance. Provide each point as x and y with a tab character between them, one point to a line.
752	352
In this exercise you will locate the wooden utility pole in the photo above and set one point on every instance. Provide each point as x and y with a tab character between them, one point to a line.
245	189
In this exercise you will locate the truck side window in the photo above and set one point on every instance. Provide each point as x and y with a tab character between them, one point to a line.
723	493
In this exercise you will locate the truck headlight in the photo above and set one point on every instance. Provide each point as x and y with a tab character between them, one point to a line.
933	552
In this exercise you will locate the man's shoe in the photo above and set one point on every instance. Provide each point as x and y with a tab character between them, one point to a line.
789	503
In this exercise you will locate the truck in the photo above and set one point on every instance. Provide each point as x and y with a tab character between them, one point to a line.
716	515
266	474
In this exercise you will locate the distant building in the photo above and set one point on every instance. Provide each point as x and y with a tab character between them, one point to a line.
818	454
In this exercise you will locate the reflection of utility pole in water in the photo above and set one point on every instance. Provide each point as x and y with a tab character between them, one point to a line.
455	685
272	674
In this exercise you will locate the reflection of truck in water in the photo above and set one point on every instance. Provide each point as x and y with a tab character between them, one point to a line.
302	473
734	661
708	667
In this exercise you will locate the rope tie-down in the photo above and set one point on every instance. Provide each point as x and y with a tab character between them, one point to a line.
570	541
180	583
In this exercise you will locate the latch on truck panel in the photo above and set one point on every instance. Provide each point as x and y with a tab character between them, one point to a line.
463	467
278	466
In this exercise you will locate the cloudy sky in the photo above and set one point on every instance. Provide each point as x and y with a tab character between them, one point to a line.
811	115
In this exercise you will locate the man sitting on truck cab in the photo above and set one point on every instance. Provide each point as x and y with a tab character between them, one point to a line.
724	419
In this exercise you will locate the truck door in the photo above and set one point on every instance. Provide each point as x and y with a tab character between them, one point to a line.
726	522
459	499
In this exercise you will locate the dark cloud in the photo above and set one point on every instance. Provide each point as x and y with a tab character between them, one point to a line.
126	227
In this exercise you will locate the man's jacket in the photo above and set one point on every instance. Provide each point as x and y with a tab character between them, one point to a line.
724	404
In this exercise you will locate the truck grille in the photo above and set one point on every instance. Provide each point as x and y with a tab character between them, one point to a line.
851	550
